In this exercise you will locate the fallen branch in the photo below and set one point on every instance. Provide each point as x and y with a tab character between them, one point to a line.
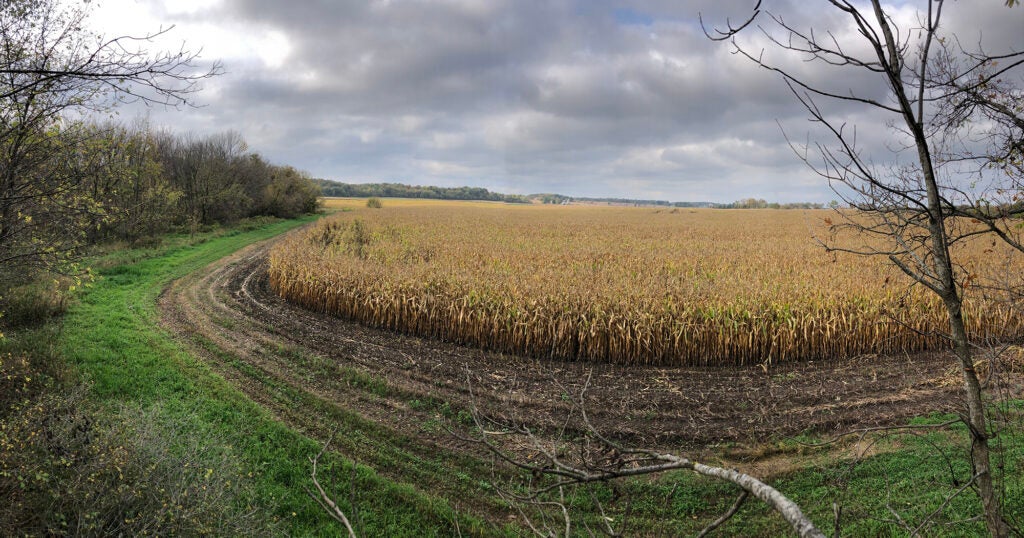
725	517
610	461
325	500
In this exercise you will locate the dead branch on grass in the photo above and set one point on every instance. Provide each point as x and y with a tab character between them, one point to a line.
553	465
325	500
725	517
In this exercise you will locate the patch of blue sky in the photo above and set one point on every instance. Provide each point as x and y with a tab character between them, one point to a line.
630	16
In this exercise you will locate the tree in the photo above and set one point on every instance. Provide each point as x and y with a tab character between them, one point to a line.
289	194
48	50
121	176
955	174
209	172
51	67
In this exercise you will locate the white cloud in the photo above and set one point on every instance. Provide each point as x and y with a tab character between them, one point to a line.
563	95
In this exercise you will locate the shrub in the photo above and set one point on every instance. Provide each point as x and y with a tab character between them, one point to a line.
66	468
374	203
291	193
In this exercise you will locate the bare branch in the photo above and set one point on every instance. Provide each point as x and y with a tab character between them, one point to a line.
924	523
608	461
325	500
730	31
725	517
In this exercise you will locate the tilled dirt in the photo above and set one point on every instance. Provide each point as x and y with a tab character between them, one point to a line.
390	401
313	370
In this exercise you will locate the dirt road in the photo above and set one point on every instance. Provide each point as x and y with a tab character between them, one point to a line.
268	346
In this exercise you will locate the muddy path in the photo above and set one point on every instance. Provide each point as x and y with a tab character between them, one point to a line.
392	396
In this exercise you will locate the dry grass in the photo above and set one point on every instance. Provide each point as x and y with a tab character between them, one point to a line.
629	285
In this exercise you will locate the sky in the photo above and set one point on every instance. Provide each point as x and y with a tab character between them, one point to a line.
579	97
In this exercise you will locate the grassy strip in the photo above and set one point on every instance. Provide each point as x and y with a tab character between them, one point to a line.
919	476
112	337
913	476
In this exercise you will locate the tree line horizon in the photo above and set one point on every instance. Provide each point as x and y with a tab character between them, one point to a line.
339	189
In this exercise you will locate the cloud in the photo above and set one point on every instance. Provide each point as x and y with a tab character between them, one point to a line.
585	97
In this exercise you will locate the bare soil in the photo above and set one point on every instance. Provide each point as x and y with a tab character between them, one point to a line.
309	369
391	401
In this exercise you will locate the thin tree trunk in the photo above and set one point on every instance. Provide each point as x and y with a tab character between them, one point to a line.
976	421
943	267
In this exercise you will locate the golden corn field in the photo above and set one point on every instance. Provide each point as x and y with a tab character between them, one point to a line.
622	284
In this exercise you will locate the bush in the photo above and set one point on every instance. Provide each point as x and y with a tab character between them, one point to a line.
290	194
66	468
18	382
374	203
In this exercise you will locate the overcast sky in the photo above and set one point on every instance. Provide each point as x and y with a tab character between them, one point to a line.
579	97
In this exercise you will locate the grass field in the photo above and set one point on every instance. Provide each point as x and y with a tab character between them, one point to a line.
165	403
141	381
621	284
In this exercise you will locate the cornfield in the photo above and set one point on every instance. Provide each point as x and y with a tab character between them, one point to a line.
627	285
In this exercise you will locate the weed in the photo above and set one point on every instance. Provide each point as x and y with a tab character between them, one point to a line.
35	302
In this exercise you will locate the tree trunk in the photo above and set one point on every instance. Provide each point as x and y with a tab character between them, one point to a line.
976	421
947	290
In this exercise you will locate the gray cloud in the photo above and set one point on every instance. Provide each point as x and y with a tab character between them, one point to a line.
583	97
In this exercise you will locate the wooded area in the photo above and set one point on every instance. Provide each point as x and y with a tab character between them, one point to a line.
400	190
67	181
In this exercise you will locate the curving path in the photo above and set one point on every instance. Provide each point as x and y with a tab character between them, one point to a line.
293	360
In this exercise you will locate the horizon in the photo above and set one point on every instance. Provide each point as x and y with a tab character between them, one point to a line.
572	196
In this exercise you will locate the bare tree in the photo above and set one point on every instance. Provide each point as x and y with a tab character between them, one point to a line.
52	65
951	177
47	49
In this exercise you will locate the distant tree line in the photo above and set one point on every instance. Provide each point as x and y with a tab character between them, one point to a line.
746	203
551	198
399	190
760	203
560	199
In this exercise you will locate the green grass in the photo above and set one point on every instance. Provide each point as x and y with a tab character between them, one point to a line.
111	336
112	339
914	479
